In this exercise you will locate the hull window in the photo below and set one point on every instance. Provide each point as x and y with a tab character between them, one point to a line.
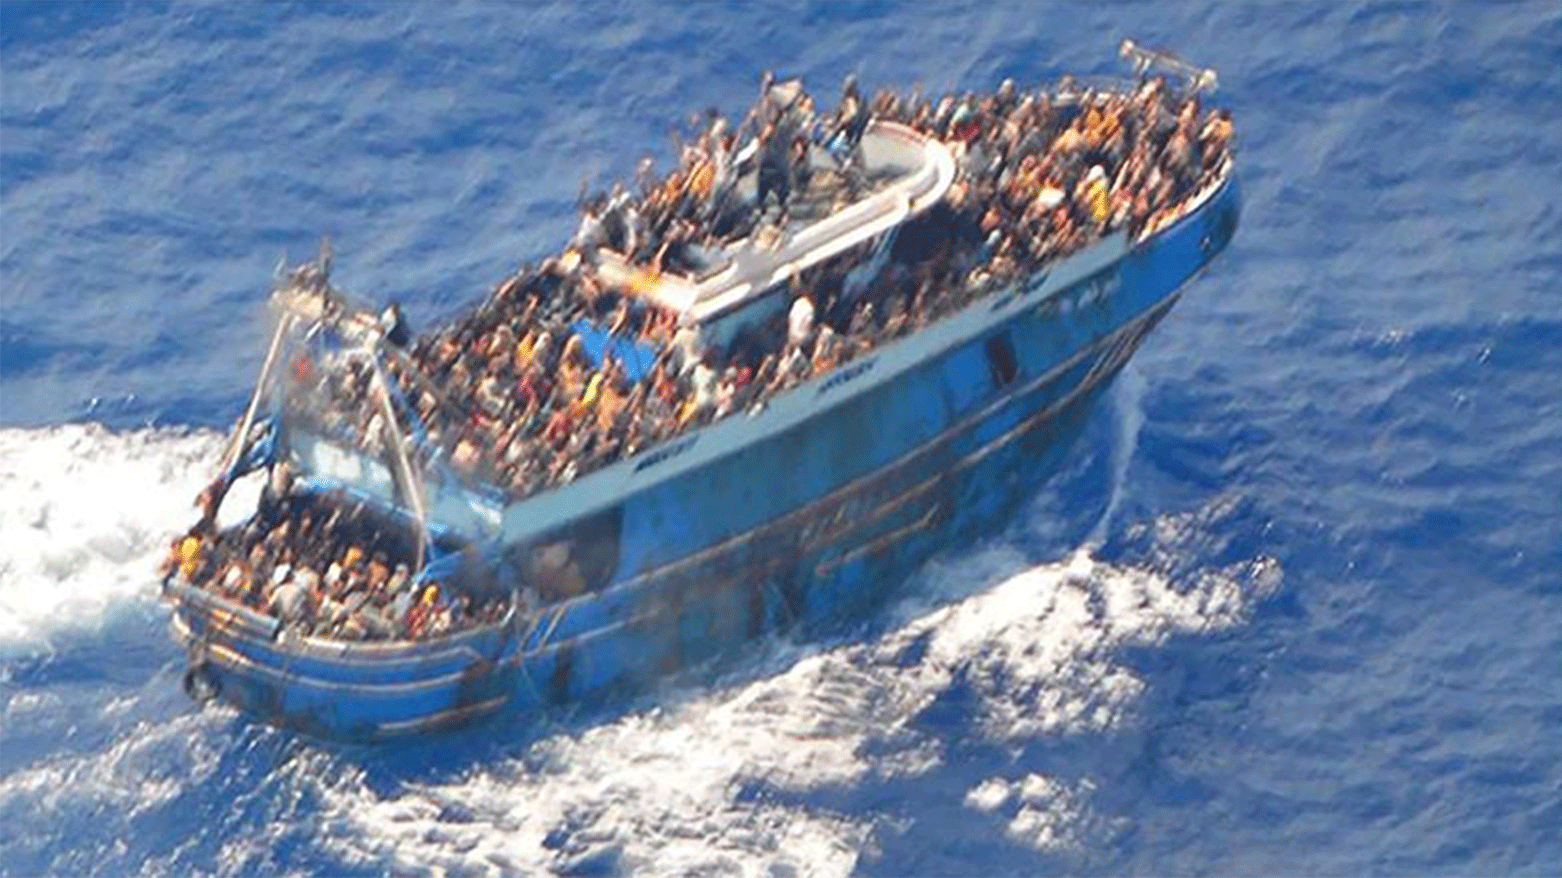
1001	360
581	557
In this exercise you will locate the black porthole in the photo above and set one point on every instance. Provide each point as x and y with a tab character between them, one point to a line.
1001	360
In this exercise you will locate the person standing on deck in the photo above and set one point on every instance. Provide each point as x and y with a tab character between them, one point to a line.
722	170
853	117
781	117
591	234
800	321
775	146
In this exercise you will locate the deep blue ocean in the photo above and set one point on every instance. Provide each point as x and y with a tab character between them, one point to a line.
1294	606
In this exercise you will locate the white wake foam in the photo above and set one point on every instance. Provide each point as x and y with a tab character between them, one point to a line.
673	791
85	515
1127	409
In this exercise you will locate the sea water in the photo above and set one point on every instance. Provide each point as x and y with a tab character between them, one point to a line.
1294	606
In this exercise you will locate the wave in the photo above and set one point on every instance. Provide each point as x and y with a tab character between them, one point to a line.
85	515
1127	409
745	777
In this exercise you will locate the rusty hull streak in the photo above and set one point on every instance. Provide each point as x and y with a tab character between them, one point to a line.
1122	345
882	541
444	719
469	704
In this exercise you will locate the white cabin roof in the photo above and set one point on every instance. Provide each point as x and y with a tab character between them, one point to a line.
919	171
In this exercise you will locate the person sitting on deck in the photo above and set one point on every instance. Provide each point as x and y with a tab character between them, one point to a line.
291	601
184	557
1216	136
1093	195
420	619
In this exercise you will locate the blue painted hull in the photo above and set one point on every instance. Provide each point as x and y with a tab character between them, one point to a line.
805	512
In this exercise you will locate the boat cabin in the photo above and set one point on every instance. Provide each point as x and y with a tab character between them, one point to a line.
743	281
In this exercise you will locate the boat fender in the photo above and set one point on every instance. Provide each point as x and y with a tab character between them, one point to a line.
200	683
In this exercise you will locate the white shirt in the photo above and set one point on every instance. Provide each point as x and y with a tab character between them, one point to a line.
686	342
800	321
704	385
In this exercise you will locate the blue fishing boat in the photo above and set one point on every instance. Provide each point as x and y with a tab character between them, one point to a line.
797	503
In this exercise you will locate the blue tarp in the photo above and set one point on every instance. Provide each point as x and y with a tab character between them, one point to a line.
636	358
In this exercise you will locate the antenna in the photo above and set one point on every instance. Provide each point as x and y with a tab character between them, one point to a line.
326	257
1196	79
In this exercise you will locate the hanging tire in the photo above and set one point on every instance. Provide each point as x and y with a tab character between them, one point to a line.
200	683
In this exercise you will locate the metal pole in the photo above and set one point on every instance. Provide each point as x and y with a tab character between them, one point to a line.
241	437
414	486
488	451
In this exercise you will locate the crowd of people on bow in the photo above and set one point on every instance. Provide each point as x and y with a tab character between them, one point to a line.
324	567
510	395
1048	171
1039	175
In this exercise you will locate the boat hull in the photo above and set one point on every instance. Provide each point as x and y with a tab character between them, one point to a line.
799	515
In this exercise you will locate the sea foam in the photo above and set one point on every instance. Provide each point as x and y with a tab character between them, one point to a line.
734	777
739	780
85	515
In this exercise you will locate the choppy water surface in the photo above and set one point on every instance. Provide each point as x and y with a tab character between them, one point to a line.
1292	607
